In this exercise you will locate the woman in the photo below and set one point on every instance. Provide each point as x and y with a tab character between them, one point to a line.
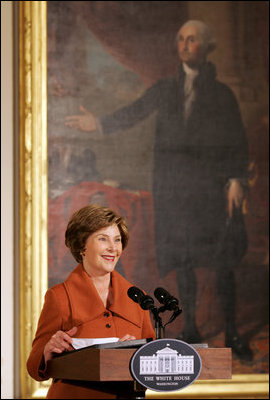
92	302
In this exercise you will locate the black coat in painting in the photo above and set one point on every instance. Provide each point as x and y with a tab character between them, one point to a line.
193	163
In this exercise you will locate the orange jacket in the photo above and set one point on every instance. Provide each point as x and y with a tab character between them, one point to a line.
76	302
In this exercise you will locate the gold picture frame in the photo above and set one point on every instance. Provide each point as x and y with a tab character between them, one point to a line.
33	212
33	180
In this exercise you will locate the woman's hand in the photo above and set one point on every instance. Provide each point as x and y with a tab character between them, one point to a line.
127	337
59	342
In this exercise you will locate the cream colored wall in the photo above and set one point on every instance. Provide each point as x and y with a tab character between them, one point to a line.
7	204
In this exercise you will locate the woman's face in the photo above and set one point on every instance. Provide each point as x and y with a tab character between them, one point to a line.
102	251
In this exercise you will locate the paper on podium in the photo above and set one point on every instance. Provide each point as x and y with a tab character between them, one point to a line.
81	343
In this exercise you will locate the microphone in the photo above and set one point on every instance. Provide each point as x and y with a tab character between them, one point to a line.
170	303
164	297
146	302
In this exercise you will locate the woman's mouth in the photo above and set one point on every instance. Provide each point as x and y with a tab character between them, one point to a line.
109	258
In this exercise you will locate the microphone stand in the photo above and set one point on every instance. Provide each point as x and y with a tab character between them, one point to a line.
159	328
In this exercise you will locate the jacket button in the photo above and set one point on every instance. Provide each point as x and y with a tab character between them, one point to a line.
108	325
106	314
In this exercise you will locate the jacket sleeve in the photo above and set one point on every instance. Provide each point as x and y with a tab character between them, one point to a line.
50	321
234	152
130	115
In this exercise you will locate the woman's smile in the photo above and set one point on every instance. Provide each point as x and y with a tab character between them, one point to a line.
102	251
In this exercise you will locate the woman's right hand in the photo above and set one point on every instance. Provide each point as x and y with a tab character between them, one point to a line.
59	342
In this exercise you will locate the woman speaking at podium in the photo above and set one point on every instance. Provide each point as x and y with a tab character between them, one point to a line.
91	303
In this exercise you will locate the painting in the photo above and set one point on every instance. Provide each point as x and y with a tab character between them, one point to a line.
105	67
103	58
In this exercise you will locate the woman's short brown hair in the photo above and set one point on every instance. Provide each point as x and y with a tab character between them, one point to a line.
88	220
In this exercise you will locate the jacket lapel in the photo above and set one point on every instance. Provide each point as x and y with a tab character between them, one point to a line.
122	304
85	302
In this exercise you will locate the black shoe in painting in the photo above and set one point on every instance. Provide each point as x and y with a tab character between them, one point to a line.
242	350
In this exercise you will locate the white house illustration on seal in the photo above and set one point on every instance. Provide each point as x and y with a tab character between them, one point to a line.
166	361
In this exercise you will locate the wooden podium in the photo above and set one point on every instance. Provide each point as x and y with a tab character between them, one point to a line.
104	365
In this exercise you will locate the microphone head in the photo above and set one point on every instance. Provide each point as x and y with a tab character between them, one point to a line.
146	302
164	297
135	294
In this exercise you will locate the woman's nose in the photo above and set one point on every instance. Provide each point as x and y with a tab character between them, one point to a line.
111	246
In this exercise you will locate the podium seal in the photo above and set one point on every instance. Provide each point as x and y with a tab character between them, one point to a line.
166	365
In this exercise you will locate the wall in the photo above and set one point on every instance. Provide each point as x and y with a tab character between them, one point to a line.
7	203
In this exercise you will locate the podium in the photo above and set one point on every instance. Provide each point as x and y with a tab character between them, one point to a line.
112	365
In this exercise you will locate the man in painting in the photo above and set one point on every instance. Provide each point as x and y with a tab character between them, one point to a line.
199	178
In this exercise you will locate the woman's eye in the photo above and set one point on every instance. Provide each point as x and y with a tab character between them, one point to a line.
102	238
